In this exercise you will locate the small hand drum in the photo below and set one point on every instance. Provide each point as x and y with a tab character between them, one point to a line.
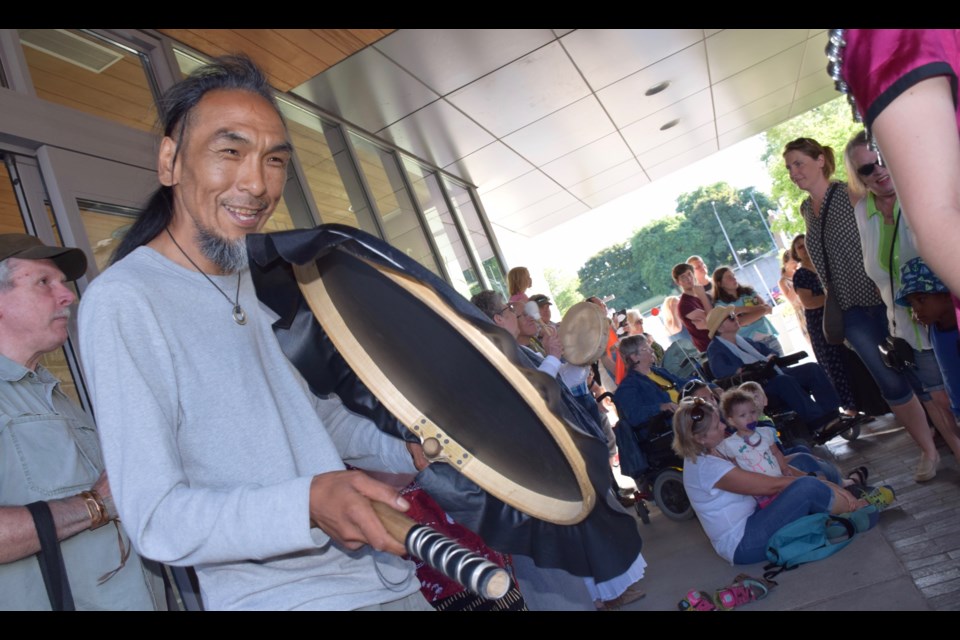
584	331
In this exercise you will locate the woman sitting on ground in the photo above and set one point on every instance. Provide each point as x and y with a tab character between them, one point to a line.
750	307
723	495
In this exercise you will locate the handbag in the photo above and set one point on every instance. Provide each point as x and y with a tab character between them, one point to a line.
832	319
832	312
895	352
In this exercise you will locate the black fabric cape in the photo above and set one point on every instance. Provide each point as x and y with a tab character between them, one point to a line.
603	545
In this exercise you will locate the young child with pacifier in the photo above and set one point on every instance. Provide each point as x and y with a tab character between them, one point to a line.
753	447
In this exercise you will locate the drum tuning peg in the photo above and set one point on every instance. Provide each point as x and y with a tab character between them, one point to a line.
432	447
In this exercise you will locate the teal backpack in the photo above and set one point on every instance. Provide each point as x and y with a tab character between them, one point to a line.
809	538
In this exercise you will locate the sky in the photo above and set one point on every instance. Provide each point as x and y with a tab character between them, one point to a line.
568	246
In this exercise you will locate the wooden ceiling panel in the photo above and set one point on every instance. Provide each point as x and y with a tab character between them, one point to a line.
324	53
196	38
290	57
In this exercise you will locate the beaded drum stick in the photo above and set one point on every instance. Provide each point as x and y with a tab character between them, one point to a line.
447	556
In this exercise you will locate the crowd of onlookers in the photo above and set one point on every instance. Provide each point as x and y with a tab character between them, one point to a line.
865	300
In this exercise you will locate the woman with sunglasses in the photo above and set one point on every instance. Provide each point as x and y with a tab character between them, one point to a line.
729	353
888	242
722	494
834	244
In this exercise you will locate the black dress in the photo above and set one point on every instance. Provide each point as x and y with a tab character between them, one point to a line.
830	356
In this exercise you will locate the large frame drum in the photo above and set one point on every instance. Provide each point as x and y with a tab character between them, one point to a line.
448	382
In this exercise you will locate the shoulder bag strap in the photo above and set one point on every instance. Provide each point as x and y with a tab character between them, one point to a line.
51	560
823	222
893	245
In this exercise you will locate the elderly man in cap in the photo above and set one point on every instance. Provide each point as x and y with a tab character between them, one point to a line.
729	352
543	306
52	483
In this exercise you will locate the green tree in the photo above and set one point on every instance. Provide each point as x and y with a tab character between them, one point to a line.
565	289
744	226
660	245
639	270
614	271
829	124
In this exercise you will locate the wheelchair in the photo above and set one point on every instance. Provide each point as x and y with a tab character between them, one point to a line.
646	455
793	431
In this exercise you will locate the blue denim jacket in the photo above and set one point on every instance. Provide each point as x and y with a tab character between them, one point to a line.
638	398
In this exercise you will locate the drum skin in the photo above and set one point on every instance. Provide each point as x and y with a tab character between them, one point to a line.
583	332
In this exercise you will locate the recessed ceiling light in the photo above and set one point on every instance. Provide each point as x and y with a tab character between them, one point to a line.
657	88
670	125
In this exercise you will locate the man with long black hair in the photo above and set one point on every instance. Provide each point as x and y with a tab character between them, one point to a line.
220	455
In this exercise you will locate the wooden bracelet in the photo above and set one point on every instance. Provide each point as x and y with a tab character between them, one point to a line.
96	508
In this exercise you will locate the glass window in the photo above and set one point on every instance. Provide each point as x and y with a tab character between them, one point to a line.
442	226
399	219
323	157
477	235
90	74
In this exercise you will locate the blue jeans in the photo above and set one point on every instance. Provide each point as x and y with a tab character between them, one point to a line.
865	328
805	461
794	389
803	497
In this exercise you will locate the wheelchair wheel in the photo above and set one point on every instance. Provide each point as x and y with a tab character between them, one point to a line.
671	497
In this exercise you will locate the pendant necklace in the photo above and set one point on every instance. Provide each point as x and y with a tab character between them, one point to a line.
238	315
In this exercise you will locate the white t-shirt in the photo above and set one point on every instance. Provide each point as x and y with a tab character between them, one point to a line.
759	458
723	515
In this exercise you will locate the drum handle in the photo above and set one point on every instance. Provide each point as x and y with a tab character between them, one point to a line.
446	555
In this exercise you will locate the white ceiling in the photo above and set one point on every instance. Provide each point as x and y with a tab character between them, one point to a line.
550	123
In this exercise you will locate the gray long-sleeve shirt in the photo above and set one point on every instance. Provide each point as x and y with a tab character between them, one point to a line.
211	439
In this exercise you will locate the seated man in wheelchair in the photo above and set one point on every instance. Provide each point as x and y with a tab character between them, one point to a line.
731	354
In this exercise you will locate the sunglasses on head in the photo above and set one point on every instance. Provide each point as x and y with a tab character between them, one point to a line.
868	169
692	386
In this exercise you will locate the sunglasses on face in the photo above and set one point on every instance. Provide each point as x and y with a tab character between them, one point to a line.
868	169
